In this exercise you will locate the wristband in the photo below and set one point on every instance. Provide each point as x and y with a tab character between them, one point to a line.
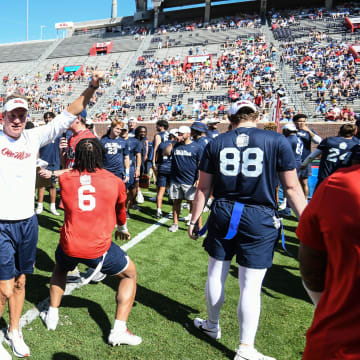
127	174
91	86
191	223
122	228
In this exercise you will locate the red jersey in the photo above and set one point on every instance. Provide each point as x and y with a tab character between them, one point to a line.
331	223
72	142
93	204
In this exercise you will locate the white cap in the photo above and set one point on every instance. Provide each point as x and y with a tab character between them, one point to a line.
174	132
235	107
290	126
184	130
132	119
212	121
16	103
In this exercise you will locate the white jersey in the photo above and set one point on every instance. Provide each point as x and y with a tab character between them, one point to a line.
18	166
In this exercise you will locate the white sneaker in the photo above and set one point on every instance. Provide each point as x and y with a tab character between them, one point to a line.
185	218
139	197
283	205
206	209
202	325
123	337
174	228
250	353
50	321
16	341
4	355
54	211
159	213
39	209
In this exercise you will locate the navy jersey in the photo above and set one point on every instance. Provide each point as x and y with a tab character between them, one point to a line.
212	134
203	141
51	154
185	160
134	147
297	147
306	139
245	163
334	150
115	150
164	135
163	161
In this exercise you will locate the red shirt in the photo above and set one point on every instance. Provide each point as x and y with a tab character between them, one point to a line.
93	204
72	142
331	223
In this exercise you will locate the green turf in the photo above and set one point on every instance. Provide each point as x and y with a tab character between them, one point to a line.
171	277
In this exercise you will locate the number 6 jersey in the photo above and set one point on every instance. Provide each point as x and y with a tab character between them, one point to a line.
246	162
93	204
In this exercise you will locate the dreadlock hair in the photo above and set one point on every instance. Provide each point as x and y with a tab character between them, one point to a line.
88	155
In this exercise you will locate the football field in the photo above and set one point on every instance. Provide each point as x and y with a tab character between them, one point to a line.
172	273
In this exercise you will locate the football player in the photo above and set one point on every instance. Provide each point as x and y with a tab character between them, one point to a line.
94	202
243	167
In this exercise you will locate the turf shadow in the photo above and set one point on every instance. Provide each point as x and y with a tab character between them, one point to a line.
49	223
142	219
64	356
95	310
282	281
171	310
44	261
37	288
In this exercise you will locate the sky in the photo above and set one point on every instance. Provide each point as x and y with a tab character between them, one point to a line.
49	12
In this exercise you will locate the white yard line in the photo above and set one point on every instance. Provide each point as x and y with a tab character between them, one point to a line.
34	312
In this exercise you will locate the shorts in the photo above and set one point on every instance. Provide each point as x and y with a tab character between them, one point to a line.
181	192
42	182
131	183
18	240
305	173
163	180
116	260
256	236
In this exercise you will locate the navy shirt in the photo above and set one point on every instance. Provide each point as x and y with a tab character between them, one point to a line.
163	161
306	139
115	150
134	146
297	147
334	150
185	160
164	135
212	134
245	163
51	154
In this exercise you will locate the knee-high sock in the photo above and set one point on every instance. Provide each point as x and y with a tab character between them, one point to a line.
250	281
215	287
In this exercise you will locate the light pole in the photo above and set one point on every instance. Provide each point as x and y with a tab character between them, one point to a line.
27	20
41	31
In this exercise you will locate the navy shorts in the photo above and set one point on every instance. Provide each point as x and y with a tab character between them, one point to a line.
131	183
18	240
116	260
255	240
163	180
305	173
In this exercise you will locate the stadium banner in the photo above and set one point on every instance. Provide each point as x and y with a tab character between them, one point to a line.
64	25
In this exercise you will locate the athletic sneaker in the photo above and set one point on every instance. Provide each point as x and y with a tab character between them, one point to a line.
4	355
50	321
39	209
283	205
186	218
202	325
159	213
250	353
123	338
139	197
16	341
54	211
206	209
174	228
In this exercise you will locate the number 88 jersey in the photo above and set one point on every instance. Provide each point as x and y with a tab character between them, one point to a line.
245	163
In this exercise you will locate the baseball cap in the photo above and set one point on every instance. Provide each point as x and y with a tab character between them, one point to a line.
198	126
235	107
174	132
212	121
15	104
290	127
184	130
132	119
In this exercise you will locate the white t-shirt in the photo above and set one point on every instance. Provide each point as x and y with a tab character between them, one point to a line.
18	166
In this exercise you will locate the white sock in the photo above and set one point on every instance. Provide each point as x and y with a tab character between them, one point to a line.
52	206
250	281
120	325
40	205
53	311
215	288
158	209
